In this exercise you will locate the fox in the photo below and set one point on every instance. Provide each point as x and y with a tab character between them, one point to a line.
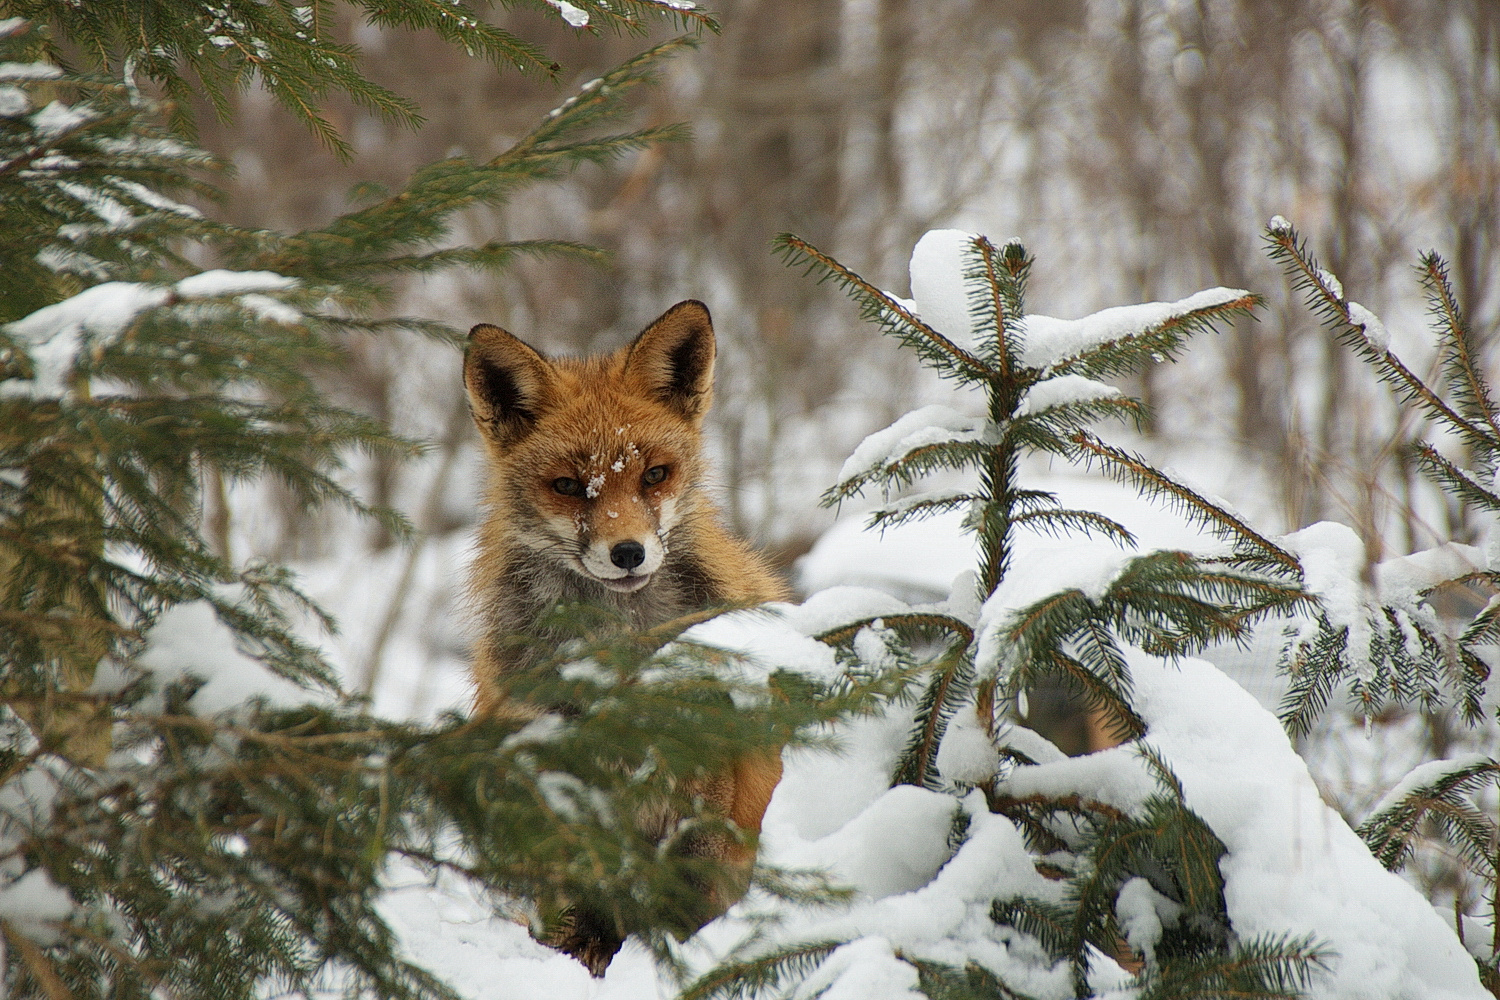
596	493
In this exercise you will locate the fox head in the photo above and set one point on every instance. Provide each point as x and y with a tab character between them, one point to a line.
595	460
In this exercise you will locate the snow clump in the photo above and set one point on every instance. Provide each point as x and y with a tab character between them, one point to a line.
918	429
56	335
190	642
574	16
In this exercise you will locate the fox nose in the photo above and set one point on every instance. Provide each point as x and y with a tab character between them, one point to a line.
628	555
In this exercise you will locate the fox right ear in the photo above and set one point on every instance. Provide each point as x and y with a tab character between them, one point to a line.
508	383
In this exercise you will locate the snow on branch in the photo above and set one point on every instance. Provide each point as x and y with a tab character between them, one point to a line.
1066	344
1440	790
56	335
909	446
1063	390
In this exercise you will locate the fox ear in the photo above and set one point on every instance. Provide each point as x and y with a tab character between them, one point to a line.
509	384
674	359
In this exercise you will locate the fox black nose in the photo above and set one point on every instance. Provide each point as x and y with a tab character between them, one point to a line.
628	555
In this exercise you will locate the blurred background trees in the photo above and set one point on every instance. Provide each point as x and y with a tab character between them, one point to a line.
1145	142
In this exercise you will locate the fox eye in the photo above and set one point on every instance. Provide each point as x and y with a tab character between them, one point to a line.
568	487
655	474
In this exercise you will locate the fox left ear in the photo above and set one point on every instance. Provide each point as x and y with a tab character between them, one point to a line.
674	359
510	385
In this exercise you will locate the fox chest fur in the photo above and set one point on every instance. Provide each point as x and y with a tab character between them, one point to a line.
595	491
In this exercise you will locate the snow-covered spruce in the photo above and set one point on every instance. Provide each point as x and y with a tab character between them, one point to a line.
1017	874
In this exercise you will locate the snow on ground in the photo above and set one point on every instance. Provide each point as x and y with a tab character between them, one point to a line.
421	669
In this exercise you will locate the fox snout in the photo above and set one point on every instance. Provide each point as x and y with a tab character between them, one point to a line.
627	555
623	563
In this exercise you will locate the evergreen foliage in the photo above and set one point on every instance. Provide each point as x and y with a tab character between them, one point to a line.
188	806
1396	650
1397	655
220	48
1166	602
985	648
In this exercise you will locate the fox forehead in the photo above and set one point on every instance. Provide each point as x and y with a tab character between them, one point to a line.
607	430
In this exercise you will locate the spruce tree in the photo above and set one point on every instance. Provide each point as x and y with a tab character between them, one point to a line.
1078	867
981	651
188	805
1394	649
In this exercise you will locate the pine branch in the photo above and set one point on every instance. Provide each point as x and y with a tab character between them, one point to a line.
375	242
957	453
1183	837
918	622
746	978
1466	380
1485	626
879	308
972	982
493	256
1051	925
1060	523
1458	482
1159	342
1099	695
947	690
1053	429
191	49
1171	604
43	972
1399	659
1155	483
915	508
1315	669
1326	298
1264	968
1390	830
597	102
1005	283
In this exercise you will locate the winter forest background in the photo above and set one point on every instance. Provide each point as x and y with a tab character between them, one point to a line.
1139	149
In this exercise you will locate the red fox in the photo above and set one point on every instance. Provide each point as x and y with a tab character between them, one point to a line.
595	494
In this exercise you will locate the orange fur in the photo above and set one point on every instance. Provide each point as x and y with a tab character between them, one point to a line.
596	494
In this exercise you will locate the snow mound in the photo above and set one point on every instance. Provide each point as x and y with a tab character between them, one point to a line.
1293	865
939	292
